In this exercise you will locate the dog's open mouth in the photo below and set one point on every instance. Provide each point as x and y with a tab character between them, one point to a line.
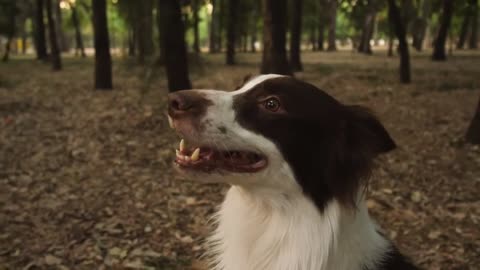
207	159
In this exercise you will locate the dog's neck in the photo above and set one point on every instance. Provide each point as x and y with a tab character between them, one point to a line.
261	230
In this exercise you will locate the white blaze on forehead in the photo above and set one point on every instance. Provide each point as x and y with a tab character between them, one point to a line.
257	80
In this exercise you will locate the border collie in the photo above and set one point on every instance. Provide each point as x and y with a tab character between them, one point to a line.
297	161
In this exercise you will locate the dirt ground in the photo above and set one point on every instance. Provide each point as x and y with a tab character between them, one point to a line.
86	181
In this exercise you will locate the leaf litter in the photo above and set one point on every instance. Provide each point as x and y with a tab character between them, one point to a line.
87	182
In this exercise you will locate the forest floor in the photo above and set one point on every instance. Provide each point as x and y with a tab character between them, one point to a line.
86	179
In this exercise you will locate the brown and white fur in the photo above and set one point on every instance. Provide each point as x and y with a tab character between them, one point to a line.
297	161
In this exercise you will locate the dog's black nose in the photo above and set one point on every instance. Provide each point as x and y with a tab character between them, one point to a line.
186	102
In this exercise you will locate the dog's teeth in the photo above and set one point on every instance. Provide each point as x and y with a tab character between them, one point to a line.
178	153
186	158
196	154
170	122
182	145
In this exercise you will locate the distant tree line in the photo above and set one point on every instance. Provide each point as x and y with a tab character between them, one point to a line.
168	32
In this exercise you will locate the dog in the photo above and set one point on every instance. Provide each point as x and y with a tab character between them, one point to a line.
297	161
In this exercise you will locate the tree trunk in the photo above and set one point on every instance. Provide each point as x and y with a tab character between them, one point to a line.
62	40
221	22
174	48
11	32
245	42
40	41
78	31
24	44
55	50
332	26
420	26
103	60
313	38
473	132
397	25
148	11
439	53
321	35
161	37
231	31
473	42
253	38
367	31
418	35
253	34
132	41
213	29
6	54
196	37
144	30
296	34
274	58
462	37
390	45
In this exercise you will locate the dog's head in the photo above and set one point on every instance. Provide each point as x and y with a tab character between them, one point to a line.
279	134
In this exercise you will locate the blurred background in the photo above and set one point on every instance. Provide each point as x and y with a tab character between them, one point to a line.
86	151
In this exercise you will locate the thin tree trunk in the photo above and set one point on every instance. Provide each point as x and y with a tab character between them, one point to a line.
6	54
161	36
419	34
144	30
296	33
462	37
231	31
367	31
213	28
253	34
24	44
78	31
439	53
55	54
421	25
140	40
196	37
313	38
390	45
103	60
253	38
174	48
397	24
332	26
473	132
62	40
321	35
221	22
274	58
148	21
40	41
245	42
132	41
11	33
322	18
473	42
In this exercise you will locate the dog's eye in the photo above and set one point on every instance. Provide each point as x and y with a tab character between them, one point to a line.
272	104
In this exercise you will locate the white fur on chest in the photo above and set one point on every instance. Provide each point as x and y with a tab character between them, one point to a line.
280	232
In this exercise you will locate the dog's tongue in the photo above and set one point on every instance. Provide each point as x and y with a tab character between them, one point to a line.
207	159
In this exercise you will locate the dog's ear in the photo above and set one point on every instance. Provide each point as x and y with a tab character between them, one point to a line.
245	80
371	134
360	139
